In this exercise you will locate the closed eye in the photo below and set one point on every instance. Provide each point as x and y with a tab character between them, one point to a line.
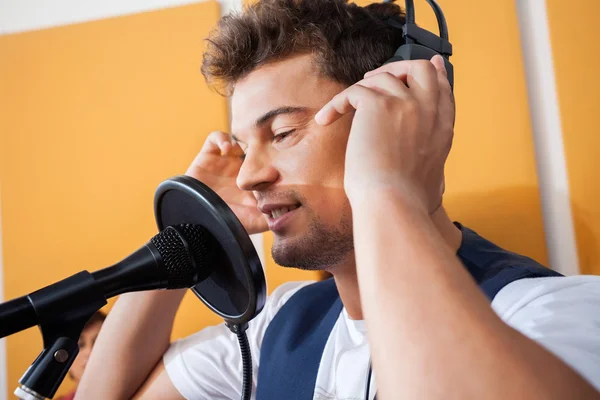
280	136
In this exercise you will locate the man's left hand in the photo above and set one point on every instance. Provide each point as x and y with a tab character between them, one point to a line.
401	132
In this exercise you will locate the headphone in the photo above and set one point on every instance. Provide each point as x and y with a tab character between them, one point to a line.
420	44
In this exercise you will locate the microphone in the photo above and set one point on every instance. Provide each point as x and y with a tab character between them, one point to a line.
201	245
178	257
236	288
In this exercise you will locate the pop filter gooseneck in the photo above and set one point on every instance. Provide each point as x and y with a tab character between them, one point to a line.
236	288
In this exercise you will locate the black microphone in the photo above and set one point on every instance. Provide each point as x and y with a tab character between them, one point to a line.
201	245
178	257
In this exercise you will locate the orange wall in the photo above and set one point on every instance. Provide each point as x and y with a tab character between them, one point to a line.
576	52
93	117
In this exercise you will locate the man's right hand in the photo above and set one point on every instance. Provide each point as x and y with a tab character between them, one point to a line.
217	166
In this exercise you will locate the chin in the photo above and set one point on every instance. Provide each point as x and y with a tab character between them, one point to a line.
312	252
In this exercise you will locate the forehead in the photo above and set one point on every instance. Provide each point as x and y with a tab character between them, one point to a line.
293	82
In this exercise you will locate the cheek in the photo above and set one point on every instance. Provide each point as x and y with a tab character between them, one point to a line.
315	168
331	206
320	182
332	150
317	160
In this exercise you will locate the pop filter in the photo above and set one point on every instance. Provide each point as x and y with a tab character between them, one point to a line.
236	288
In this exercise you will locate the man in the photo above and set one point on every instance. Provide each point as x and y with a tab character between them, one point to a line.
346	170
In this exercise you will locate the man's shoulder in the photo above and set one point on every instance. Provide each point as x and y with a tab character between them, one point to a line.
282	294
560	313
556	293
493	267
482	254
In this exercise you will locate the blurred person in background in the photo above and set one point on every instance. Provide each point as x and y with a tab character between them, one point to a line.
86	343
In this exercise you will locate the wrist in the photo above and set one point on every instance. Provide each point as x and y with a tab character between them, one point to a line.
377	196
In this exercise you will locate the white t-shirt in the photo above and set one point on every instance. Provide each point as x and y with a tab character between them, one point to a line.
562	314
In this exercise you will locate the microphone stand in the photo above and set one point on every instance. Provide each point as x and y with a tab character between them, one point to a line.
61	323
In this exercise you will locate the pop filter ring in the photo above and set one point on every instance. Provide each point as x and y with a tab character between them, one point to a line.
214	215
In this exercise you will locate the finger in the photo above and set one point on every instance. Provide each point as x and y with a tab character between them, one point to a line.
446	103
439	64
225	147
419	73
230	149
215	143
442	75
346	102
421	78
423	81
234	150
399	69
386	83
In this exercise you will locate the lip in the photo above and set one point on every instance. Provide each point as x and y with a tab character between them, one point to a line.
277	224
267	208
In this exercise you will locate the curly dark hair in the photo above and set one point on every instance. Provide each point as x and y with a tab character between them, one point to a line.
346	40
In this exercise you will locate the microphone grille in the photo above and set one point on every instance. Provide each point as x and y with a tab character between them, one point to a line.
185	254
202	245
176	257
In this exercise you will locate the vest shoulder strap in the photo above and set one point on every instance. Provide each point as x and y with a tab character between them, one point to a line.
292	347
492	267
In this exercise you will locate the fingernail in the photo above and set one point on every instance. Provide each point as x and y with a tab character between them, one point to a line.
319	117
225	147
443	63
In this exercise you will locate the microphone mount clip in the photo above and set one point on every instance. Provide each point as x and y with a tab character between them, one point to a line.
61	327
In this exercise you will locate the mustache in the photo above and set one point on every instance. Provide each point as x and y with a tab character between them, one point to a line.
280	195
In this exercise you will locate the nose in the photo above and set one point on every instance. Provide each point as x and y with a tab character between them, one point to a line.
257	171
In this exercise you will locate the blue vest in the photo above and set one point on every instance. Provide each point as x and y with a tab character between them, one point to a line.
295	339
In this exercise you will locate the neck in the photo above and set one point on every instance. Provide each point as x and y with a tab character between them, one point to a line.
346	279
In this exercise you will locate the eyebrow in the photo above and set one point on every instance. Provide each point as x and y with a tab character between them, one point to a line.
268	116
